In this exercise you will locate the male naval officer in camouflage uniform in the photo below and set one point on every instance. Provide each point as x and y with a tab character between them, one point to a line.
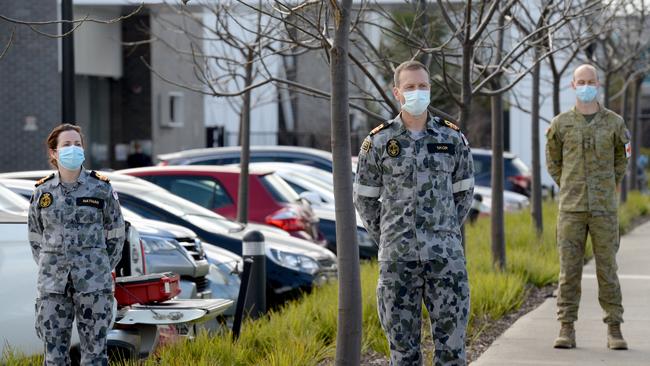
413	190
587	153
77	233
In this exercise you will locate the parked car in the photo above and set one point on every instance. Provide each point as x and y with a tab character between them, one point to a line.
293	265
512	201
231	155
271	200
169	248
13	203
137	334
517	175
317	186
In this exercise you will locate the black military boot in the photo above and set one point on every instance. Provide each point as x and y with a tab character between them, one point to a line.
567	337
615	337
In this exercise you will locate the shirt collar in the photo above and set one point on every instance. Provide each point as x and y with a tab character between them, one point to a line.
429	127
83	176
82	179
399	124
574	109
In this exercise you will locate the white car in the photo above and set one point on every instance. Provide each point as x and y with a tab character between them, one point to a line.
512	202
137	335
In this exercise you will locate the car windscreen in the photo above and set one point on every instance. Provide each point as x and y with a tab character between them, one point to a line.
516	166
279	189
188	210
308	183
12	202
481	164
512	166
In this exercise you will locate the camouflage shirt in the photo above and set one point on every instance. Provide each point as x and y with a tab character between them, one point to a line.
587	160
413	195
75	230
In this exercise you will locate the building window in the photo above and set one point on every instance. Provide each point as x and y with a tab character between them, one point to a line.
172	110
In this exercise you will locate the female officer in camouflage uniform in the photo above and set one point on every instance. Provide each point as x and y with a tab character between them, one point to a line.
76	232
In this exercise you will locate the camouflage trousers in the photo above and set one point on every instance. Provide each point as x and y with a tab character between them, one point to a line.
572	230
55	314
442	285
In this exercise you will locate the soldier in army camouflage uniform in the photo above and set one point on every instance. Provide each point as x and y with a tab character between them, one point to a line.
587	152
413	190
76	233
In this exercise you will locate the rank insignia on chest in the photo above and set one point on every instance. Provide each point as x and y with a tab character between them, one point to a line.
46	200
441	149
393	148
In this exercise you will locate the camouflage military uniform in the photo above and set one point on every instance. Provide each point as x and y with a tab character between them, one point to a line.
588	161
76	233
413	195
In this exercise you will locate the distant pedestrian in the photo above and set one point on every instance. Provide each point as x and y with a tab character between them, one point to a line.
587	153
76	233
138	158
413	190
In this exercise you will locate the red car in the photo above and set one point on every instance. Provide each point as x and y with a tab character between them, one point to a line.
271	200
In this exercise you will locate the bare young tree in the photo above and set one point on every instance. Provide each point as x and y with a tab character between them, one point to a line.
620	51
40	26
348	340
491	65
537	17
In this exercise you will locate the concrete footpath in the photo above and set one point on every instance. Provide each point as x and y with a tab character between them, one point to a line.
529	341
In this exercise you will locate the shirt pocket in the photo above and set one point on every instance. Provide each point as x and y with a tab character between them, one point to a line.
572	141
398	179
439	200
605	147
90	226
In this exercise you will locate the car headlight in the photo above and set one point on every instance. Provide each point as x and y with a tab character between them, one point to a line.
158	245
364	239
294	261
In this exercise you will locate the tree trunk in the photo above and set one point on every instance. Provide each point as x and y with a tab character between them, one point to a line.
625	112
67	66
536	191
498	229
348	340
557	79
634	131
606	94
466	67
426	28
244	140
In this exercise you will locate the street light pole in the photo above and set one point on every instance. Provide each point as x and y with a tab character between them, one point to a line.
67	65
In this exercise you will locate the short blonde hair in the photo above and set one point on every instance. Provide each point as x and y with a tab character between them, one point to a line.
407	65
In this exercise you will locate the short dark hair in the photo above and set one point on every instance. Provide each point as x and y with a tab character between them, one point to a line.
408	65
53	139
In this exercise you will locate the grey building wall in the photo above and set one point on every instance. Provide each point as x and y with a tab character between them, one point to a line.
312	114
29	86
167	61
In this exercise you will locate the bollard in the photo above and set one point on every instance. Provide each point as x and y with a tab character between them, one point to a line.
252	292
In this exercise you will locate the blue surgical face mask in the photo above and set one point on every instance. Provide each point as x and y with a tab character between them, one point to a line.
586	93
416	101
71	157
